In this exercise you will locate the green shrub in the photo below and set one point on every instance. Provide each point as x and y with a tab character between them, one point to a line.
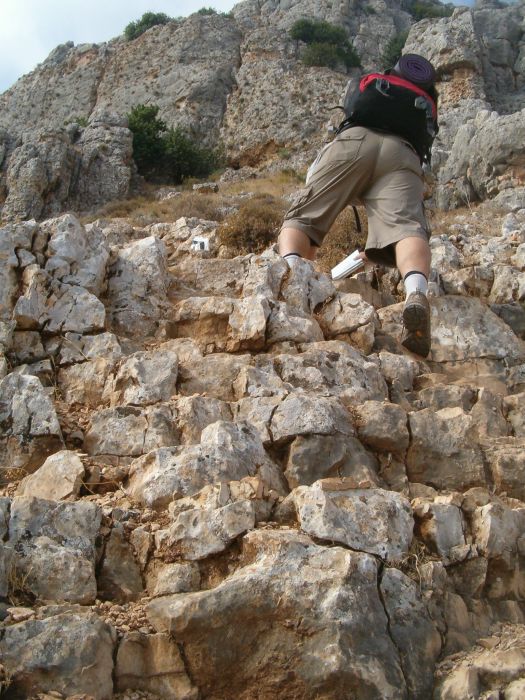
166	154
327	45
148	144
321	55
184	158
206	11
148	20
393	49
316	31
81	121
253	227
427	10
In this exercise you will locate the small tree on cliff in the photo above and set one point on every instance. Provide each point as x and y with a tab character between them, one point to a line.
166	154
327	45
148	20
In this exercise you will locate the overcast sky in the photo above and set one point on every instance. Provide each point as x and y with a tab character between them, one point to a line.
30	29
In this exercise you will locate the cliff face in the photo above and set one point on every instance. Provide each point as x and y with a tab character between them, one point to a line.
239	79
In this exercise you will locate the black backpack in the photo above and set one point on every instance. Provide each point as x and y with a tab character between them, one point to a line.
395	105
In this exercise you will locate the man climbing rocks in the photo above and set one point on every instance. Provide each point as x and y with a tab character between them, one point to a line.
376	159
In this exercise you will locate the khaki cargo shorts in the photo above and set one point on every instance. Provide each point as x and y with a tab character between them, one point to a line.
361	166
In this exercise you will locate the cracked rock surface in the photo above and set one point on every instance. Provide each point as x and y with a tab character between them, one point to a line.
237	496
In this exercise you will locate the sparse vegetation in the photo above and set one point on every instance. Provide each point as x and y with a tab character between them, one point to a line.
148	20
342	239
393	50
206	11
81	121
147	209
253	227
429	10
327	45
167	155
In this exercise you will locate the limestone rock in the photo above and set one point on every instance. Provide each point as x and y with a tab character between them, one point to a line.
54	544
69	653
74	255
332	368
368	520
197	533
153	663
292	324
413	632
130	431
444	451
138	287
212	376
59	478
29	423
194	413
506	458
513	406
227	452
398	369
106	164
220	323
39	176
119	577
305	288
303	414
442	528
79	348
57	307
496	530
382	426
285	577
347	313
84	384
314	457
179	577
12	238
145	378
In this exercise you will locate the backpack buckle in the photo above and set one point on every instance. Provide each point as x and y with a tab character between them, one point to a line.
382	86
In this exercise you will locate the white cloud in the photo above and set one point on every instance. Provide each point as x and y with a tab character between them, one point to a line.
31	29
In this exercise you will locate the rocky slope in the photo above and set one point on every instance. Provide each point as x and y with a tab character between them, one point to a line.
221	479
224	480
239	79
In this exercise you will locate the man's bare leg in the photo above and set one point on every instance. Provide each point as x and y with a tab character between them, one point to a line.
293	240
413	254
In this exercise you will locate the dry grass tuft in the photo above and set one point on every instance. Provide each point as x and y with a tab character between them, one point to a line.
342	239
145	210
253	227
278	185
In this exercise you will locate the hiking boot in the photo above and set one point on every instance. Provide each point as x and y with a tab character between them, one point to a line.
416	322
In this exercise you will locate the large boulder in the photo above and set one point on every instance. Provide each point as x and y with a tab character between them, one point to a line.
30	427
70	653
325	598
54	544
367	520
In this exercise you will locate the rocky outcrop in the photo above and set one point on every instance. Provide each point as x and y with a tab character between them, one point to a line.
478	53
239	79
235	478
52	171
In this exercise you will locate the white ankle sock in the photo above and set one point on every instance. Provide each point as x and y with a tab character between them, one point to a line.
415	282
292	259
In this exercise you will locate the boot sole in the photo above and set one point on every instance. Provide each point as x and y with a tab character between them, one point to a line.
416	321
